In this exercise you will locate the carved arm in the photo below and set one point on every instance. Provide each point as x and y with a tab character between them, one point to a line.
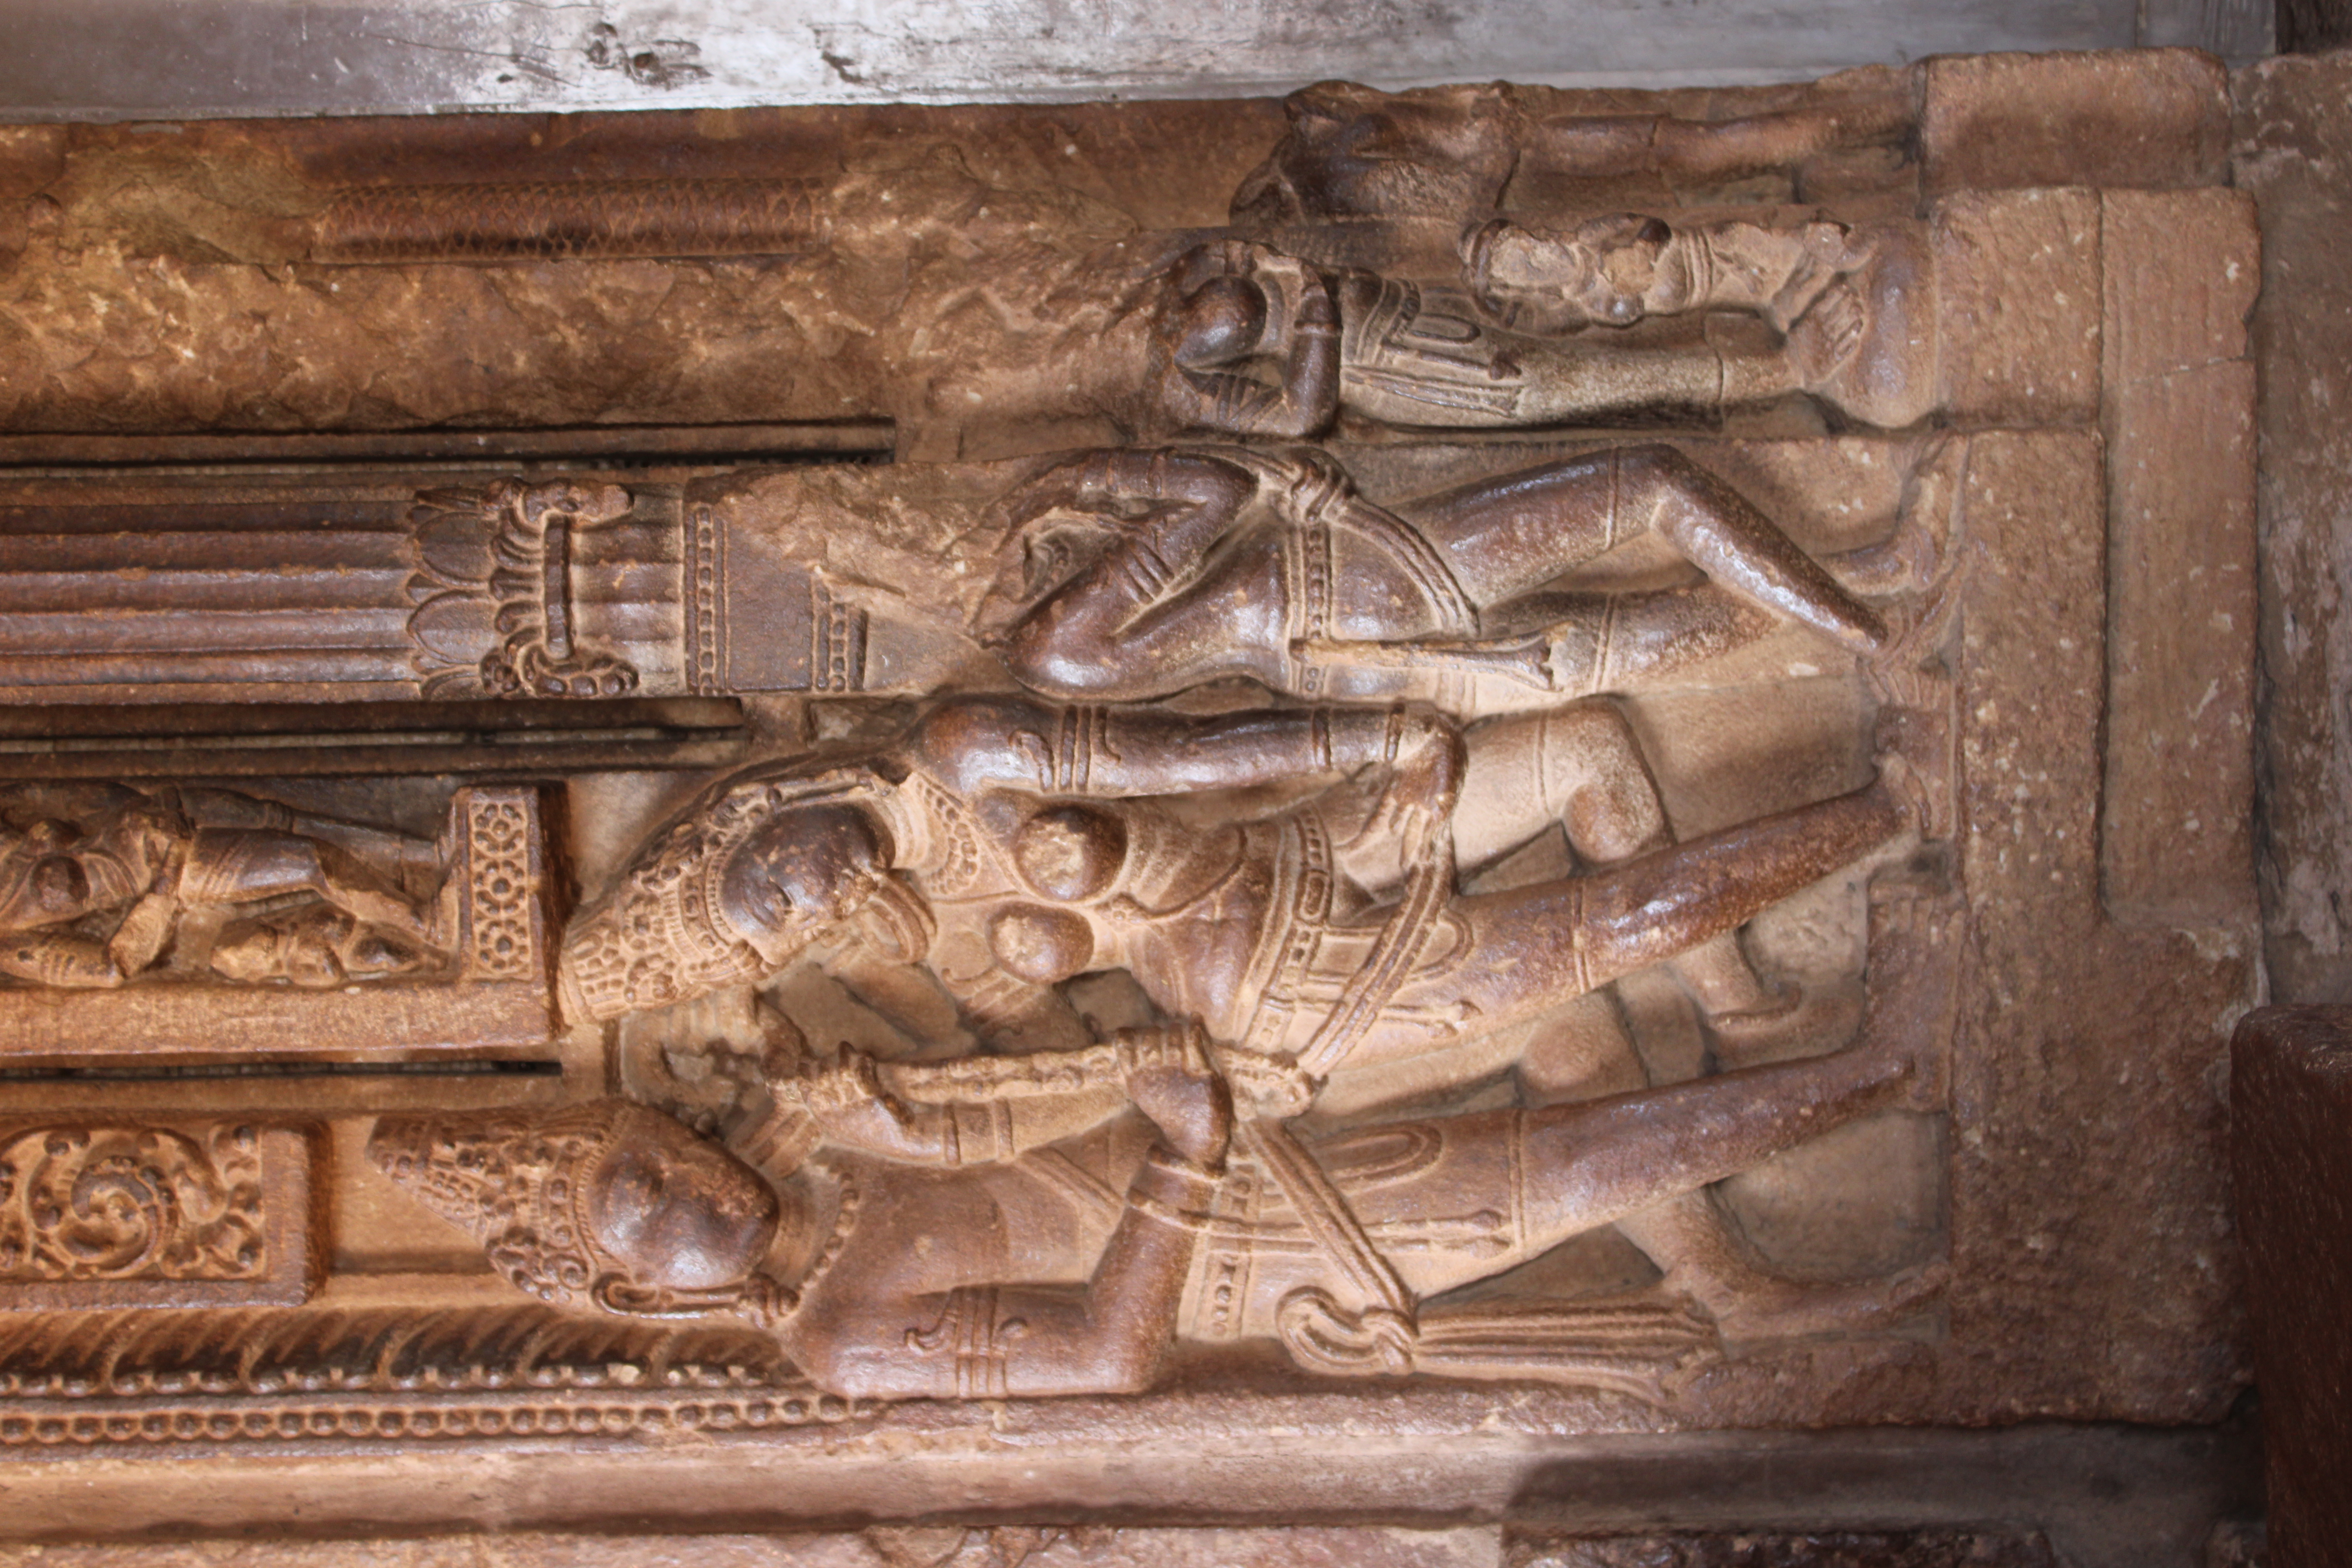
1308	393
982	1111
58	958
978	743
1108	1336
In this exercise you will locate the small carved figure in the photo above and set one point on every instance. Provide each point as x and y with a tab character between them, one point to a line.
1249	341
1008	1271
95	880
1138	573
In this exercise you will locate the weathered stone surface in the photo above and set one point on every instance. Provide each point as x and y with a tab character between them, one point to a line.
2088	1115
2180	274
2152	119
2293	123
2018	306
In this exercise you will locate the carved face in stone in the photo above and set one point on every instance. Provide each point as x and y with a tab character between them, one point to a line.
606	1203
316	946
804	869
674	1209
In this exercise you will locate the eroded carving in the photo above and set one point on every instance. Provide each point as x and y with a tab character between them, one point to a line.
1537	330
1453	152
129	912
100	883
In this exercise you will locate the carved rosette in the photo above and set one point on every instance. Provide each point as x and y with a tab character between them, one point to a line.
492	585
98	1216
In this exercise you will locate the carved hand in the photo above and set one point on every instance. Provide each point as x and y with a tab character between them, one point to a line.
1169	1078
854	1111
1426	753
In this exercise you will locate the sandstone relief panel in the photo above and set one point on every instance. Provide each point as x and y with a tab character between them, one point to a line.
96	1216
1522	785
184	922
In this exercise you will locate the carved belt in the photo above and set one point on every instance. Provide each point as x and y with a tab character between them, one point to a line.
1302	909
1439	359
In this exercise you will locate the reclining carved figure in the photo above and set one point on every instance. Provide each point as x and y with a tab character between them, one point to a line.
1134	573
95	880
894	1264
1005	846
1245	340
1011	845
1612	317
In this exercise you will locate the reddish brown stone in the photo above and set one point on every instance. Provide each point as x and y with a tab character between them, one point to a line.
2148	119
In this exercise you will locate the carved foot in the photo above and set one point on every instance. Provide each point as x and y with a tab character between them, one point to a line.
1867	345
1828	336
1916	562
1786	1310
1794	1027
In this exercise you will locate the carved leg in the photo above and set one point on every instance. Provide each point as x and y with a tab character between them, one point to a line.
1582	767
1690	1238
1516	963
1606	1160
1505	538
1579	766
244	865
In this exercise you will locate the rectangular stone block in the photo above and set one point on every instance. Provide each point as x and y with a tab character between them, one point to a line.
97	1214
2177	839
2154	119
2018	307
2180	270
2086	1116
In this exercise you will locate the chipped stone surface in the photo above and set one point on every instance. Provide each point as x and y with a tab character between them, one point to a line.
2147	118
2017	281
2294	123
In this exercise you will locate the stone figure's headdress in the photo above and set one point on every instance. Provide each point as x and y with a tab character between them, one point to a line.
661	935
517	1183
512	1183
